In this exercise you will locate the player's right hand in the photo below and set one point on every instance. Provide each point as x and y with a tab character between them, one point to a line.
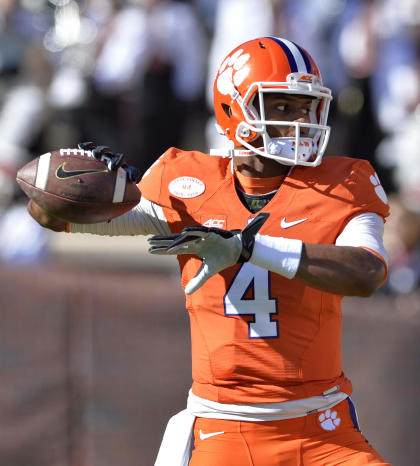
44	218
217	248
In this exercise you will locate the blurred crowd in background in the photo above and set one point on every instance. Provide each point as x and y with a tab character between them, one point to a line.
137	75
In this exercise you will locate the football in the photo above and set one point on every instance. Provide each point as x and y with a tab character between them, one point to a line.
73	185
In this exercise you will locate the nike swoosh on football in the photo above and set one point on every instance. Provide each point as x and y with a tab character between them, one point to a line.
211	434
285	224
62	173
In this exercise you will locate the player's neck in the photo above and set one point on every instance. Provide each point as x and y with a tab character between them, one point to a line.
256	166
258	185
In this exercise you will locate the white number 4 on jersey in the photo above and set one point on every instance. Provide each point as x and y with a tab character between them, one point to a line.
253	281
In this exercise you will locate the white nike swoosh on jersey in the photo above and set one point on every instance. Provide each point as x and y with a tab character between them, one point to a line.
211	434
285	224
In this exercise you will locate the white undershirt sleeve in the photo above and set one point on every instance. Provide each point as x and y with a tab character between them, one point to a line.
146	218
366	231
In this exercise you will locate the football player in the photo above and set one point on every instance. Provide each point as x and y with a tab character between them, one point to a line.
269	237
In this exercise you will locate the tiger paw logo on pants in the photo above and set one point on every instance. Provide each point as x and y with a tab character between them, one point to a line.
329	420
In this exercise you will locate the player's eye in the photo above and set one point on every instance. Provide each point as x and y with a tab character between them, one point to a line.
281	107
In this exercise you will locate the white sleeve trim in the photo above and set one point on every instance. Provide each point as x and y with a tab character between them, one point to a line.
146	218
364	230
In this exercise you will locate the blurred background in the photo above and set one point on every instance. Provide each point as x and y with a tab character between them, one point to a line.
94	341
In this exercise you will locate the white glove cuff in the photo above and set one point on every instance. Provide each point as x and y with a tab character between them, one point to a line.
280	255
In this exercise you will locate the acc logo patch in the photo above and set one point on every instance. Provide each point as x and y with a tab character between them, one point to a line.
214	221
186	187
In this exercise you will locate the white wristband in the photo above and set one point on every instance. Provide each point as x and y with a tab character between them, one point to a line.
280	255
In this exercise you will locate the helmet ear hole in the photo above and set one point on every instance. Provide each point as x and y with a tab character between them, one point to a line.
227	110
254	107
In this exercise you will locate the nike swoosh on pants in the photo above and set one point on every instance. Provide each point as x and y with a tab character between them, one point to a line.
204	436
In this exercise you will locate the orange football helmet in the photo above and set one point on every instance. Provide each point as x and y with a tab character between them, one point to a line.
268	65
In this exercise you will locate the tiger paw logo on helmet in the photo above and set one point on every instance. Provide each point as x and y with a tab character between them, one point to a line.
233	72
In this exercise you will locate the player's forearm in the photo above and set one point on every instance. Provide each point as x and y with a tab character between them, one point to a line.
146	218
129	224
343	270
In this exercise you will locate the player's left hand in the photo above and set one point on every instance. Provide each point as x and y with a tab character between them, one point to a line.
217	248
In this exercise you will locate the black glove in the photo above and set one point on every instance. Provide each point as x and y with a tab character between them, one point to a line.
112	160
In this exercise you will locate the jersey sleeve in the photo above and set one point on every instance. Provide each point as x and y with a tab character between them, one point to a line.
366	190
181	182
364	227
152	184
154	187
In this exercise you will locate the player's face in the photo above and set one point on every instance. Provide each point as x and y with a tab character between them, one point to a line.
277	107
286	107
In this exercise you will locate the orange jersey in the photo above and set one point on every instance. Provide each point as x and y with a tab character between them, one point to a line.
258	337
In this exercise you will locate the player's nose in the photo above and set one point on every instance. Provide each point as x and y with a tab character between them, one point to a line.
291	130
